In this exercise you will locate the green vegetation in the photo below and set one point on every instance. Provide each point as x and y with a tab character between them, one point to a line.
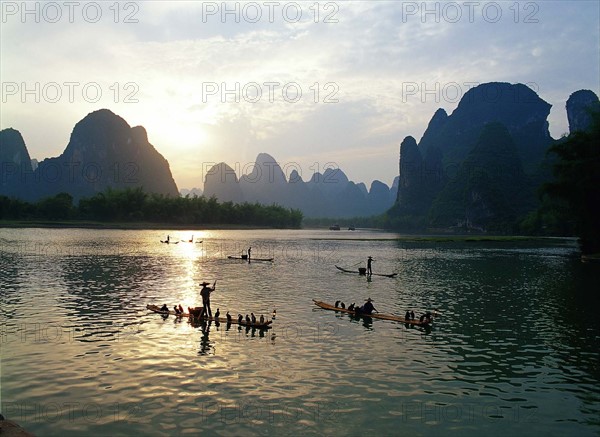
394	219
490	189
133	205
573	195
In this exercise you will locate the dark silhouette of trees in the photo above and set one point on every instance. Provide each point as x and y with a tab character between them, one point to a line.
577	183
134	205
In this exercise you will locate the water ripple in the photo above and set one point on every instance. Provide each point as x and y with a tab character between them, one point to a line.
516	344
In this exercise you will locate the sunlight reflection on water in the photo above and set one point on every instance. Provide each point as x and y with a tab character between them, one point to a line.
81	354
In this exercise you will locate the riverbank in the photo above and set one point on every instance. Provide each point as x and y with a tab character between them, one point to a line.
591	258
75	224
463	239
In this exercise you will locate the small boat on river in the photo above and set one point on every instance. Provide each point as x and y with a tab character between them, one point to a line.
265	325
381	316
363	271
245	257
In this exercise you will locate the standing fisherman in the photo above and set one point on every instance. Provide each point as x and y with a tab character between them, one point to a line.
369	270
205	293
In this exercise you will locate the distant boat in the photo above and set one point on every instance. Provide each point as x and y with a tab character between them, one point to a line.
351	228
245	257
335	227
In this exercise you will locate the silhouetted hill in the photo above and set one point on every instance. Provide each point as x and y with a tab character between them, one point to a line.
266	183
516	106
480	166
327	194
490	189
579	105
103	151
15	164
222	182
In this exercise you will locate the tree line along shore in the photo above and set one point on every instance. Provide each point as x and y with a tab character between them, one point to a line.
133	208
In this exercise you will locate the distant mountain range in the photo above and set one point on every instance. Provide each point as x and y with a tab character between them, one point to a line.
193	192
327	194
478	167
104	151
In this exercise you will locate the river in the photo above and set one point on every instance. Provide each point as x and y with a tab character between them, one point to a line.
515	350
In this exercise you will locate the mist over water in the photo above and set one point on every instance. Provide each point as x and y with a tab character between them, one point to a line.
515	350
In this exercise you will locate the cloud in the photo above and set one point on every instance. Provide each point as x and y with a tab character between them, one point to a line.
388	66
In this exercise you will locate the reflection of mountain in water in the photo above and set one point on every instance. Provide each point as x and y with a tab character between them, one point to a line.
507	323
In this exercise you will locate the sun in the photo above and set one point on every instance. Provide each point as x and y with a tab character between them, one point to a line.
177	134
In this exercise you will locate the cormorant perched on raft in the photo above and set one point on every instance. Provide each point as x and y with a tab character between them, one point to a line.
180	309
253	318
262	319
342	305
176	310
240	318
337	303
217	314
247	319
351	307
228	317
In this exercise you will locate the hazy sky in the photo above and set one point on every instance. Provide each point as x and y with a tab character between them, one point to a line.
214	81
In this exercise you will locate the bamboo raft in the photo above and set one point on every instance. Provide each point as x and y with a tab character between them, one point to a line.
233	321
381	316
363	272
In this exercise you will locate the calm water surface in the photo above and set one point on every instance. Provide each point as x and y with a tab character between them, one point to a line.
515	351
